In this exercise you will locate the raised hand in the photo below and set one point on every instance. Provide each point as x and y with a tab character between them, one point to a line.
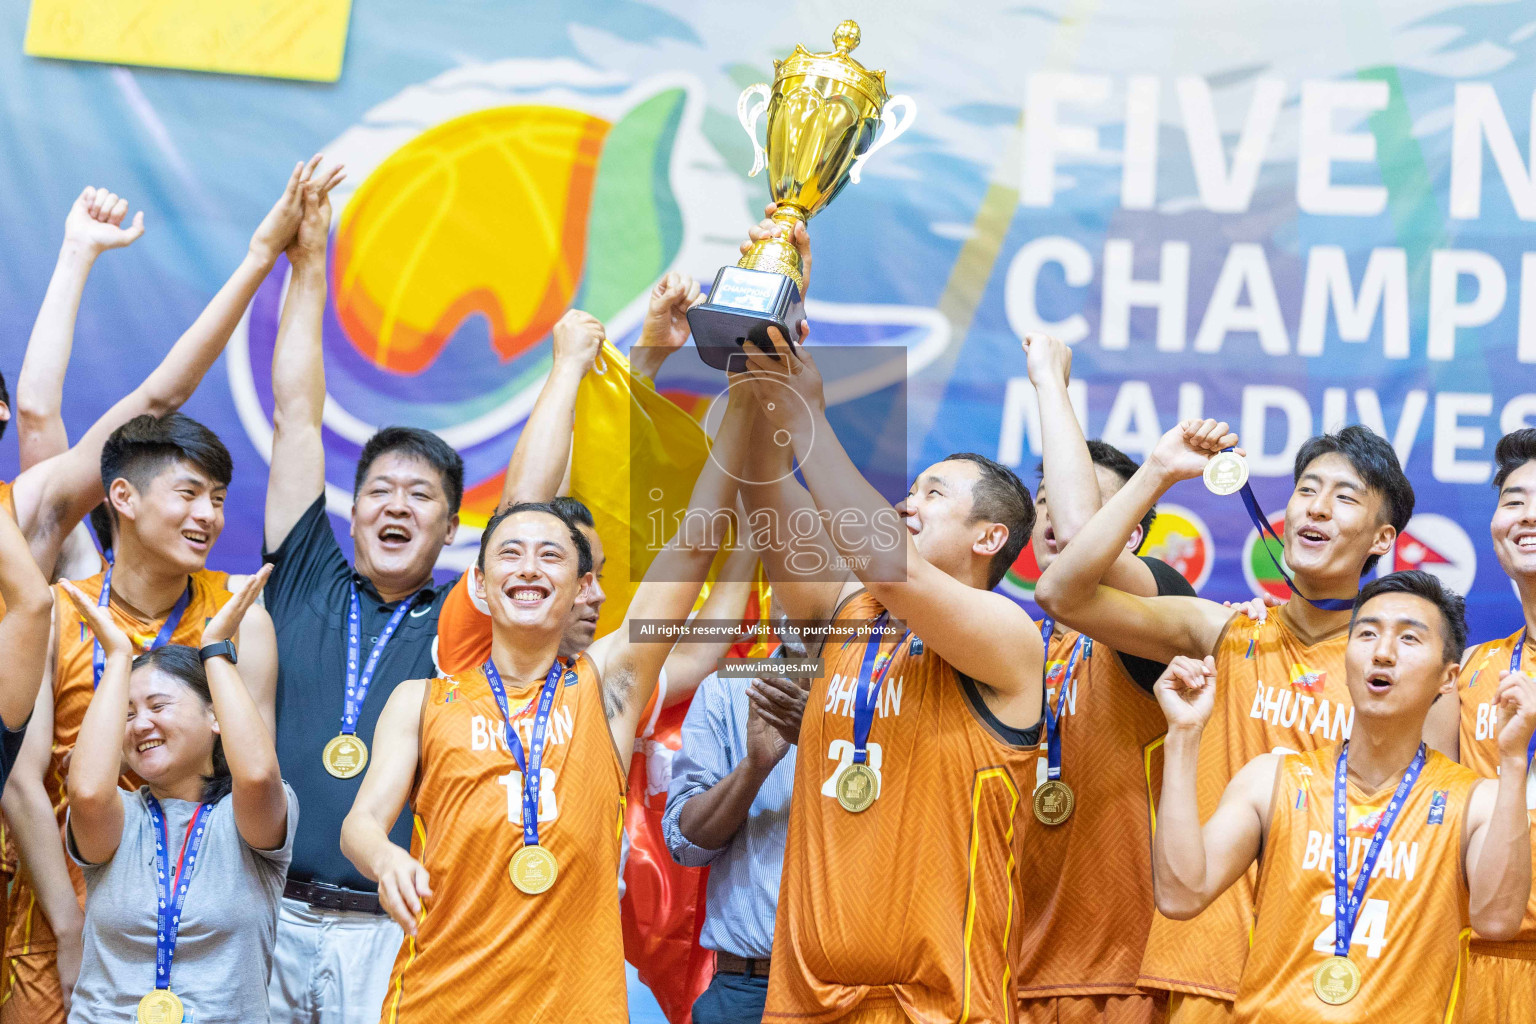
226	624
278	228
768	228
1517	714
114	642
788	388
95	222
314	231
1048	360
1182	453
578	337
403	884
666	317
1186	691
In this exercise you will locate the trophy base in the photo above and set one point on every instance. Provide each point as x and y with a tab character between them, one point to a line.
742	305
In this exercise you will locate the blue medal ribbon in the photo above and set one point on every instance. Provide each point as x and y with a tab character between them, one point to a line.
99	656
1053	720
871	675
1261	521
173	888
358	683
530	763
1346	908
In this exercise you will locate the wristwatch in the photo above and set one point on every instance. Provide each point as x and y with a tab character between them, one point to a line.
222	649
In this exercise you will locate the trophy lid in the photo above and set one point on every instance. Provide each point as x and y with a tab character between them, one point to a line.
836	64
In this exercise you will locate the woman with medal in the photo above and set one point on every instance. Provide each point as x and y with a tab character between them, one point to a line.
184	875
1375	855
509	893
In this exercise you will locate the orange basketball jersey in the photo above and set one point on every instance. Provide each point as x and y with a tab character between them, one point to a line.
27	930
1479	745
918	896
1273	693
8	503
481	942
1088	881
1410	938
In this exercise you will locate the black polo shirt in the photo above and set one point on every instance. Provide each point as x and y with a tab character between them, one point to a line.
308	598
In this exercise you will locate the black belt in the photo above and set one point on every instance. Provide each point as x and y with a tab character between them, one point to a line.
730	963
332	897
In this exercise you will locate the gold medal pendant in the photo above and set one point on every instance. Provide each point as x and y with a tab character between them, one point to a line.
533	869
162	1006
345	756
1225	473
1337	980
1054	801
857	788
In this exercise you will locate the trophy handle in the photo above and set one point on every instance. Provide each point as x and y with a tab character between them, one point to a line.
888	132
748	113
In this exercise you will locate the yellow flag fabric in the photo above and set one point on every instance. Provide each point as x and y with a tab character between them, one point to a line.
274	38
634	460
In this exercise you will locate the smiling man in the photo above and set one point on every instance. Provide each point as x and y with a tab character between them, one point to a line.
1393	847
165	481
1282	679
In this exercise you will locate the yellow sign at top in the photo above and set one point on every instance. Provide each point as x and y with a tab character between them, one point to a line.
276	38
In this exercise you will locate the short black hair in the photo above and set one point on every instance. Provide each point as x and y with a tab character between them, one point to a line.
1514	450
142	448
5	396
415	443
999	496
1453	610
583	549
1369	454
185	666
1123	466
575	511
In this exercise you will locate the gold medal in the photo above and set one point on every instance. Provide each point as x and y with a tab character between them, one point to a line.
1337	980
345	756
161	1007
1054	802
533	869
1225	473
857	788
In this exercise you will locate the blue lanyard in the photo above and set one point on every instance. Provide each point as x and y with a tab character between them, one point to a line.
872	676
531	763
1261	521
1514	666
99	656
1053	721
173	888
1346	910
357	685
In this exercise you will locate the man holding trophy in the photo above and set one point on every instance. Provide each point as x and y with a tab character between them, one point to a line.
920	734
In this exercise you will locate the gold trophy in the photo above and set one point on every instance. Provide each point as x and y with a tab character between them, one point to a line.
824	111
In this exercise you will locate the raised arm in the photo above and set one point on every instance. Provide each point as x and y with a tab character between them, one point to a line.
665	328
1498	851
1158	628
1069	477
95	809
54	495
870	537
93	226
24	627
630	667
402	879
1191	865
261	806
296	476
29	815
690	661
544	445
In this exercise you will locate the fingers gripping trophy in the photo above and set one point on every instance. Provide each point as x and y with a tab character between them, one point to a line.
827	115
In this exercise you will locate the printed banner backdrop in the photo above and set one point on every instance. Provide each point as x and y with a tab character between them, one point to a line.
1292	217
